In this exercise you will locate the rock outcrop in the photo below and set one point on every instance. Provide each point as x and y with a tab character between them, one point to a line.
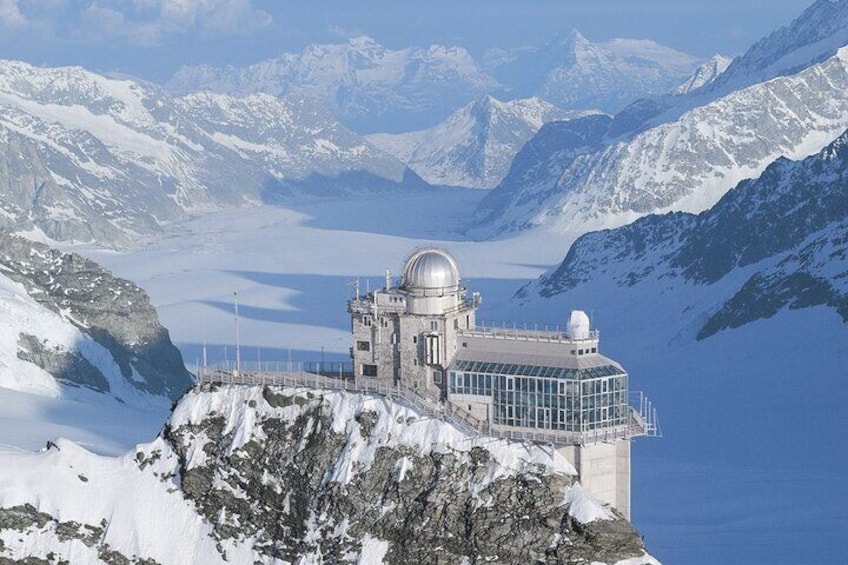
114	312
273	475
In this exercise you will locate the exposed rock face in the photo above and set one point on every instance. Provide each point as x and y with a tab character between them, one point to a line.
113	311
305	485
788	226
273	475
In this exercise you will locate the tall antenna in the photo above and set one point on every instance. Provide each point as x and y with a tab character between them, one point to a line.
238	345
388	280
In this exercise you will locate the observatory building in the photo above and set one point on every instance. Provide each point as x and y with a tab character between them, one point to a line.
548	386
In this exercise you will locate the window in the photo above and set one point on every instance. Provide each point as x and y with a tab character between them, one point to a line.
415	339
437	377
464	344
369	370
594	350
363	346
434	325
366	321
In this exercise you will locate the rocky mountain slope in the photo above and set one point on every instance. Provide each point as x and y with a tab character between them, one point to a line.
686	164
786	231
574	73
782	98
475	145
86	157
816	34
261	475
67	320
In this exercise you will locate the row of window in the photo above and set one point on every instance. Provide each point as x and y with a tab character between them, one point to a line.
548	403
559	419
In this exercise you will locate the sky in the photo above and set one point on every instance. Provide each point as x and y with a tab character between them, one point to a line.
151	39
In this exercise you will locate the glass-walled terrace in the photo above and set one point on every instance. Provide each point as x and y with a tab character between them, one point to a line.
531	396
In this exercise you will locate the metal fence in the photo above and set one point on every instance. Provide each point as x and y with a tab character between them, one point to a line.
642	421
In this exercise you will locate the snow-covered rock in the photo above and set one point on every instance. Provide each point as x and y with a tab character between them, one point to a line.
474	147
262	475
87	157
786	231
69	322
705	74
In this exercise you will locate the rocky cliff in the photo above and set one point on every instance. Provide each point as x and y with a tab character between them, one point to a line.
108	311
270	475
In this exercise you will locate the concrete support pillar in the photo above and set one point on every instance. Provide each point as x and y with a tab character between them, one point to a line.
604	470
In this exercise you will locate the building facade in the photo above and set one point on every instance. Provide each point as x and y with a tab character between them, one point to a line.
422	333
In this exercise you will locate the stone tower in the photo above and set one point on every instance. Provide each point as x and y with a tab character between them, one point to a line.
408	333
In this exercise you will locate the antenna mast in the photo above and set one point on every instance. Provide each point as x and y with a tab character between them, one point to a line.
238	346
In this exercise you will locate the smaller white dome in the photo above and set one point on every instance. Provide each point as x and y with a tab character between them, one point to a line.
431	268
578	325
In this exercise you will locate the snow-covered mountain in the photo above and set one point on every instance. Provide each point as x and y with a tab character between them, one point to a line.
737	321
369	87
786	229
265	475
86	157
82	354
704	74
67	321
574	73
686	164
374	89
814	36
818	33
475	145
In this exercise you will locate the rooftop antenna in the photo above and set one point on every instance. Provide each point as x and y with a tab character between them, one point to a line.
204	355
356	287
388	280
238	345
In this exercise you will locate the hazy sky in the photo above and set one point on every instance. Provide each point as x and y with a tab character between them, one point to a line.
152	38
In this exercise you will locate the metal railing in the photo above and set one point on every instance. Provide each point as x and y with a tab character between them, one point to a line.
524	334
642	422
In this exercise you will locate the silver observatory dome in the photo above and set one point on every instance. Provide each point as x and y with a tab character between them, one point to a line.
431	268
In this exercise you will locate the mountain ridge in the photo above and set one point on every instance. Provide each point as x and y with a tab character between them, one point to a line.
88	158
784	230
474	146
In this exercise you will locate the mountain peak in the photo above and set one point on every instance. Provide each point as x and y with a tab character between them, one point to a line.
361	41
